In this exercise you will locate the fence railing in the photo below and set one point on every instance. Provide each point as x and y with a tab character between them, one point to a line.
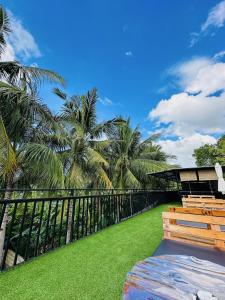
31	227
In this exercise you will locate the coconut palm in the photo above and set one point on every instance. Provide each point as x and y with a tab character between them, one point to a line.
24	155
25	123
24	119
84	162
131	159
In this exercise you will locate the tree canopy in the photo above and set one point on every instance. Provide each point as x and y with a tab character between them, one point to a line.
209	154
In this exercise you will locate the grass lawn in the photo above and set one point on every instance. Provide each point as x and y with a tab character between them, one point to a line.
92	268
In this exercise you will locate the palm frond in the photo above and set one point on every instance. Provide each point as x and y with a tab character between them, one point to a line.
94	157
4	28
8	159
101	178
59	93
44	163
76	177
131	180
15	73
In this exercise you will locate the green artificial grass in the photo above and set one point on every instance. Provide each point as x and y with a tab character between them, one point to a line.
92	268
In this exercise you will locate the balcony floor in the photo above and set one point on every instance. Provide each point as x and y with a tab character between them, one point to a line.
92	268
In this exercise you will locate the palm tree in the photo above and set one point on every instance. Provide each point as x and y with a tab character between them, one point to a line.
131	158
82	144
26	124
22	114
84	162
25	154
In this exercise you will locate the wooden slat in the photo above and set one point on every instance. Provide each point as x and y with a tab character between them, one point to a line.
189	241
204	205
205	233
201	196
194	218
201	200
218	243
167	234
194	239
198	211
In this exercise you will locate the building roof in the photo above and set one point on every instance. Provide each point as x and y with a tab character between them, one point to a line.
174	174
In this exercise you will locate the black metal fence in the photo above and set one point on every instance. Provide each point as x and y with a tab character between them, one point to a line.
31	227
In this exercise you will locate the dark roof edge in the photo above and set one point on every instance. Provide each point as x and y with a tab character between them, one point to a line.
185	169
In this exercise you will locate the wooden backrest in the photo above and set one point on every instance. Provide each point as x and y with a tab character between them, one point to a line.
201	196
185	225
207	203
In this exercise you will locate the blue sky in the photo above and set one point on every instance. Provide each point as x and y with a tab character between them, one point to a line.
148	59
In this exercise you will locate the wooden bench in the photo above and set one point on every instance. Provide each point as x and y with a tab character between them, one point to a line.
207	203
183	224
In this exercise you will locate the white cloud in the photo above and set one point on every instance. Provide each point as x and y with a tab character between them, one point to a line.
186	114
195	115
186	71
183	148
129	53
21	43
106	101
219	55
215	19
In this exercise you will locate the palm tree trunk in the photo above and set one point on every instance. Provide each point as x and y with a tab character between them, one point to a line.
7	196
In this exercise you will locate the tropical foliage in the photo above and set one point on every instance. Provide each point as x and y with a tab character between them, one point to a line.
209	154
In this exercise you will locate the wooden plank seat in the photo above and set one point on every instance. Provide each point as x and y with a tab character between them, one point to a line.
207	203
183	224
201	196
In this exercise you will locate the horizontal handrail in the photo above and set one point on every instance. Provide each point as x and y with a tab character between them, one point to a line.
21	200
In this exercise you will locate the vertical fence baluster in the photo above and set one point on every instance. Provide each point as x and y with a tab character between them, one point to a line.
9	236
91	216
131	204
73	219
54	224
47	226
20	234
61	222
2	214
95	213
82	224
39	228
78	219
119	212
67	240
110	211
30	231
102	211
86	216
